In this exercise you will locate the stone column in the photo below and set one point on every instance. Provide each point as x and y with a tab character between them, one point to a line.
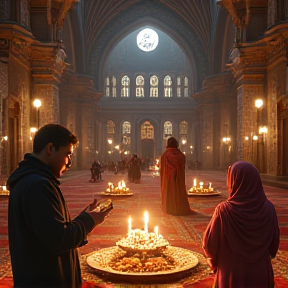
47	66
78	109
249	68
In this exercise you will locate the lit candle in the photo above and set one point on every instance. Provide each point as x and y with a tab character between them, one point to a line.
210	184
146	218
201	185
4	188
156	231
129	226
194	183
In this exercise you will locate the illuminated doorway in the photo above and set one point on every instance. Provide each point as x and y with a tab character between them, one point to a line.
147	140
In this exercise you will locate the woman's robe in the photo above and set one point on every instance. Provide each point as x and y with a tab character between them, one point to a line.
243	234
173	188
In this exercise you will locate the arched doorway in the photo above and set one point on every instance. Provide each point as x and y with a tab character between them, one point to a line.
147	141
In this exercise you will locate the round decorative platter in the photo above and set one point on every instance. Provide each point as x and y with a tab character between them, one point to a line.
184	261
214	193
116	194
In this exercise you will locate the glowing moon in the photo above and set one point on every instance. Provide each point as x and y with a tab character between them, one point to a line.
147	40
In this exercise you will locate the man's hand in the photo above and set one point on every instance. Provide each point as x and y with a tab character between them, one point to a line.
100	216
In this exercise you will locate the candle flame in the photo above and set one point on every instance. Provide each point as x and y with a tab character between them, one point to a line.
146	218
156	230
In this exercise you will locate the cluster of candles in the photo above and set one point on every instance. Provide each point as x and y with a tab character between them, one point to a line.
121	188
156	168
201	188
142	239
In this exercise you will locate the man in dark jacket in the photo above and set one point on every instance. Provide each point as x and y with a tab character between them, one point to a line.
43	239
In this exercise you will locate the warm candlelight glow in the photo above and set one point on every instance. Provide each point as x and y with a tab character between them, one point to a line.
210	185
129	225
146	219
156	231
194	183
4	188
201	185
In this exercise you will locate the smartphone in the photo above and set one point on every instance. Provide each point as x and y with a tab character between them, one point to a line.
103	205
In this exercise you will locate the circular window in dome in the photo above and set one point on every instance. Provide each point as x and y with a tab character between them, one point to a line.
147	39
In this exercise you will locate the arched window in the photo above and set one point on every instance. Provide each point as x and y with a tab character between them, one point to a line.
107	87
139	86
183	128
147	130
167	86
125	86
186	94
167	129
126	133
178	86
114	83
154	86
110	127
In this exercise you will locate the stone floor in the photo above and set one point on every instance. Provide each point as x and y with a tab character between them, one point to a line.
181	231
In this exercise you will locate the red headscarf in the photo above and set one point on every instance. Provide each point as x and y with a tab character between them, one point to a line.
248	217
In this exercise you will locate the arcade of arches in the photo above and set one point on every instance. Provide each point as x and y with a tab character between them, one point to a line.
122	92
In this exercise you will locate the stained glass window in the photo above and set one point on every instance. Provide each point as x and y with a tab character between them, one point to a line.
139	86
125	88
154	86
167	86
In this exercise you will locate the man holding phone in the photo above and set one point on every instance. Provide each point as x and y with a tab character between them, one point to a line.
43	239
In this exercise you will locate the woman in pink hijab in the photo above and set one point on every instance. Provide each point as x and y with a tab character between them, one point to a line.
243	234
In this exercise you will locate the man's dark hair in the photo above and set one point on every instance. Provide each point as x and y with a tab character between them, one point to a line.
172	143
53	133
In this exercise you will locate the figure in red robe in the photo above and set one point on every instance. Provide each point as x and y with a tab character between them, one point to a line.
172	174
243	234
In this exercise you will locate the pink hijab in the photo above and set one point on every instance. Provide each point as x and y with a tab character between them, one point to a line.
248	217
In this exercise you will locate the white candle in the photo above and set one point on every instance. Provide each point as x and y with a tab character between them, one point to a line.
156	231
194	183
210	184
201	185
4	188
146	219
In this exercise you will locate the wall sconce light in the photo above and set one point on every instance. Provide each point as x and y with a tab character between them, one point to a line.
263	129
226	139
258	103
37	103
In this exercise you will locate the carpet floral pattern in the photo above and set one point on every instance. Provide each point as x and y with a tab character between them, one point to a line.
181	231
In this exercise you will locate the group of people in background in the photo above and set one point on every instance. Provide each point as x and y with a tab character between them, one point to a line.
133	167
96	172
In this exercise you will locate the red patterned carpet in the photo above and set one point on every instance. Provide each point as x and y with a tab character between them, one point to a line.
181	231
